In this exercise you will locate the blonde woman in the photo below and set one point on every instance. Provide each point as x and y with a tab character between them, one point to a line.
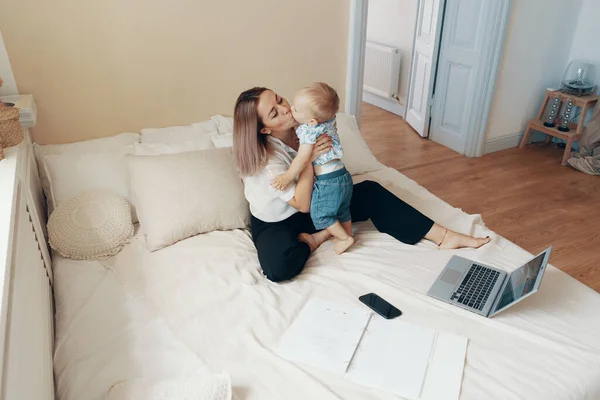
264	145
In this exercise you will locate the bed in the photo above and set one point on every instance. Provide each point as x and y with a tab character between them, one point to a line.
203	305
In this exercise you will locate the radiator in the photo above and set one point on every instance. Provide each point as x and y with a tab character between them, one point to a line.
382	69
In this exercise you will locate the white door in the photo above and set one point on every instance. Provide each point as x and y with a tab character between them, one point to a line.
462	46
424	59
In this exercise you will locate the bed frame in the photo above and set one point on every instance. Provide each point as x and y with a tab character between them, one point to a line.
27	314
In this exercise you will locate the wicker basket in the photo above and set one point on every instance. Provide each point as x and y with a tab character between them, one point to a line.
11	132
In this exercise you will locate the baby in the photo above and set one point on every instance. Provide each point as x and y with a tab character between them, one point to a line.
315	107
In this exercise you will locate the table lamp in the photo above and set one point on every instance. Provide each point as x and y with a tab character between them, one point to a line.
579	78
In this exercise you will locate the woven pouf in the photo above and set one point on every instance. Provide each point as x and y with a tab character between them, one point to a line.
11	132
92	225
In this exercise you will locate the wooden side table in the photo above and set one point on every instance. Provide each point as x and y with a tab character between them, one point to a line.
575	130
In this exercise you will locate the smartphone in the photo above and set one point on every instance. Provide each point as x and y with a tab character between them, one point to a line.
380	306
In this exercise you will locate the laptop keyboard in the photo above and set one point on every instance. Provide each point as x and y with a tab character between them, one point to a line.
476	287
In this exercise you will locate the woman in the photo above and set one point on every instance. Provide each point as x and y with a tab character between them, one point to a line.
264	145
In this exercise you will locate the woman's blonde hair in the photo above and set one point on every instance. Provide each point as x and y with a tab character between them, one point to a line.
249	145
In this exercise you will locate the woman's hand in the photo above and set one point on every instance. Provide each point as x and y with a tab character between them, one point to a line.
322	146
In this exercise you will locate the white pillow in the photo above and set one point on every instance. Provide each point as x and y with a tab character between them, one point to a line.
222	140
182	195
224	124
154	149
173	134
92	225
114	143
358	158
73	174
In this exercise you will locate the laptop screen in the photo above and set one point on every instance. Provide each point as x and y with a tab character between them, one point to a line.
521	282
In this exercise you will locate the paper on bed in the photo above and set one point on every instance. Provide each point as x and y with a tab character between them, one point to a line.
388	355
392	356
444	375
324	335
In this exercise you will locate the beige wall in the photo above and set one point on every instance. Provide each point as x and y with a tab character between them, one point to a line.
99	67
586	45
535	56
392	22
9	86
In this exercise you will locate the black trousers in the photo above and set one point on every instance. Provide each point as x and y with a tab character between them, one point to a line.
282	256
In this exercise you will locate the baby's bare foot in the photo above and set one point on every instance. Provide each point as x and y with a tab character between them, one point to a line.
341	246
454	240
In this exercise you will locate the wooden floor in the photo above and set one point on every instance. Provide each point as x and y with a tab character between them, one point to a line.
524	195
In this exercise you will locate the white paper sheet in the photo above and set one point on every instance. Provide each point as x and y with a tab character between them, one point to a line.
444	375
324	335
392	356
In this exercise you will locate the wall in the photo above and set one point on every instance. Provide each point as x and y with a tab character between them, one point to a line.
533	59
10	86
586	43
392	22
100	67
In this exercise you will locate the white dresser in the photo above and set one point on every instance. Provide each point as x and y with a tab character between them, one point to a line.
27	314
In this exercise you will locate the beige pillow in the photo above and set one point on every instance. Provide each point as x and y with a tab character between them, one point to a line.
70	175
358	158
118	143
224	124
158	148
182	195
174	134
222	140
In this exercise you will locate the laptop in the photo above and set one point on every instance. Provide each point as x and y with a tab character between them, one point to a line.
485	290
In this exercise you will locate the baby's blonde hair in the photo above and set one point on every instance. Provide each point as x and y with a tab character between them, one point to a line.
323	100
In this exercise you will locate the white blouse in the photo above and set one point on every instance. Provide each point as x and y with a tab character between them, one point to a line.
267	203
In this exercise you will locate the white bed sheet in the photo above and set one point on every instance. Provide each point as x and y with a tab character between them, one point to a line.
203	305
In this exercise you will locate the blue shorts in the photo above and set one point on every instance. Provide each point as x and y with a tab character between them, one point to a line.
331	197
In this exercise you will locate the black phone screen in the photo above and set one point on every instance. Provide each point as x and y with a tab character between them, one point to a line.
380	306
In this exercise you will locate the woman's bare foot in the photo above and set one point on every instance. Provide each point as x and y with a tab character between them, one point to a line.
454	240
341	246
315	240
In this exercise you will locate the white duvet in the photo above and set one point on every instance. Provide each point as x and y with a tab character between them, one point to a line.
202	306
